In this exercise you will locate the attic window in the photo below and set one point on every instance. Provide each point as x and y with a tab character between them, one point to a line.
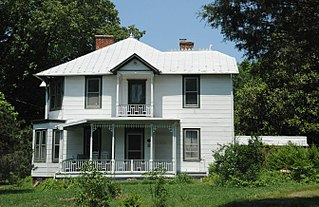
56	87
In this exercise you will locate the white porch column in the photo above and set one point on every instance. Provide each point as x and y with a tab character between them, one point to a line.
113	149
151	149
91	143
117	94
174	148
46	109
152	96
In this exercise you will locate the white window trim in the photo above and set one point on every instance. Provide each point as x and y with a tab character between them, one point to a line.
58	97
198	158
54	132
40	149
87	106
185	105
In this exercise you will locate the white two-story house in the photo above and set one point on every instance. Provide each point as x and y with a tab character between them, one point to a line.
130	108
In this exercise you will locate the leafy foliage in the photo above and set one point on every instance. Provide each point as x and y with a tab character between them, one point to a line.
281	96
132	201
58	184
15	146
157	188
301	163
235	163
36	35
96	189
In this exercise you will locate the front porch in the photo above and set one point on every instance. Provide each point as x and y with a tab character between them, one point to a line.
119	147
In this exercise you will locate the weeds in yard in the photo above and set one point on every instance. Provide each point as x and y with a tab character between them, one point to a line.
157	188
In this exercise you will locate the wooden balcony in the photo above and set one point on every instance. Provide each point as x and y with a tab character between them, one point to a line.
118	166
137	110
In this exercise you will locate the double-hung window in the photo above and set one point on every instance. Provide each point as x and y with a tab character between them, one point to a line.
93	92
56	145
40	149
192	144
191	91
56	88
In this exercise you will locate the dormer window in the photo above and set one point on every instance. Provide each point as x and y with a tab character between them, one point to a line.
56	87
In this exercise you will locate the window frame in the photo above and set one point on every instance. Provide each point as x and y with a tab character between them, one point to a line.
131	82
87	79
56	93
40	148
54	153
198	143
185	93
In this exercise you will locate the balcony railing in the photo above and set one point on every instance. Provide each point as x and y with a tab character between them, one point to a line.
134	110
119	166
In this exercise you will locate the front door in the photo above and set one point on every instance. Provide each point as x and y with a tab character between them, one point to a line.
96	144
134	143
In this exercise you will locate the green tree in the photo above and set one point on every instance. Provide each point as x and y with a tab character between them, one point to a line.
36	35
15	147
283	37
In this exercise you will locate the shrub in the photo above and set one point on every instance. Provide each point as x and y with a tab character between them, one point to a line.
157	188
183	178
132	201
96	189
238	164
57	184
302	163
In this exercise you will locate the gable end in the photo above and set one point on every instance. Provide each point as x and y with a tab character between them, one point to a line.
132	58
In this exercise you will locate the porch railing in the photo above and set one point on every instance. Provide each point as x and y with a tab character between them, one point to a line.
120	166
134	110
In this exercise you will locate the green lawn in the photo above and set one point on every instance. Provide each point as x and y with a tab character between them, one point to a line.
197	194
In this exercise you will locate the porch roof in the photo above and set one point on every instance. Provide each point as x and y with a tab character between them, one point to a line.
122	122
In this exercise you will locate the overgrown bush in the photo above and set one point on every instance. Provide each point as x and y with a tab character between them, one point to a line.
182	178
132	201
157	188
300	162
96	189
237	164
58	184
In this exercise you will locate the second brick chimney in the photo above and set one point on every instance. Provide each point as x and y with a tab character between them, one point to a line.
185	45
103	41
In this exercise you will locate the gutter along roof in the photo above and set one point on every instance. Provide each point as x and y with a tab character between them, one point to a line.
108	59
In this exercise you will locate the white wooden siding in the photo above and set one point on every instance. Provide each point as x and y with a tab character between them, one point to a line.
214	118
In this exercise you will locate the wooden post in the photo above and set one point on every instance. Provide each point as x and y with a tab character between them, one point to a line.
91	143
151	149
113	149
174	148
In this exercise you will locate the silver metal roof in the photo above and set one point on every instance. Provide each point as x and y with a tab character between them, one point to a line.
102	61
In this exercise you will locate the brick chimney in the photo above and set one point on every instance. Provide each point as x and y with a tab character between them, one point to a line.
185	45
103	41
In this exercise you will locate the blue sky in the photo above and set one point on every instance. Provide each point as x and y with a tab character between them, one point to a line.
166	21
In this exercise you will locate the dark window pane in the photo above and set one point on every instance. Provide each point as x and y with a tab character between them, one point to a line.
93	85
191	84
191	98
56	152
134	142
43	138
